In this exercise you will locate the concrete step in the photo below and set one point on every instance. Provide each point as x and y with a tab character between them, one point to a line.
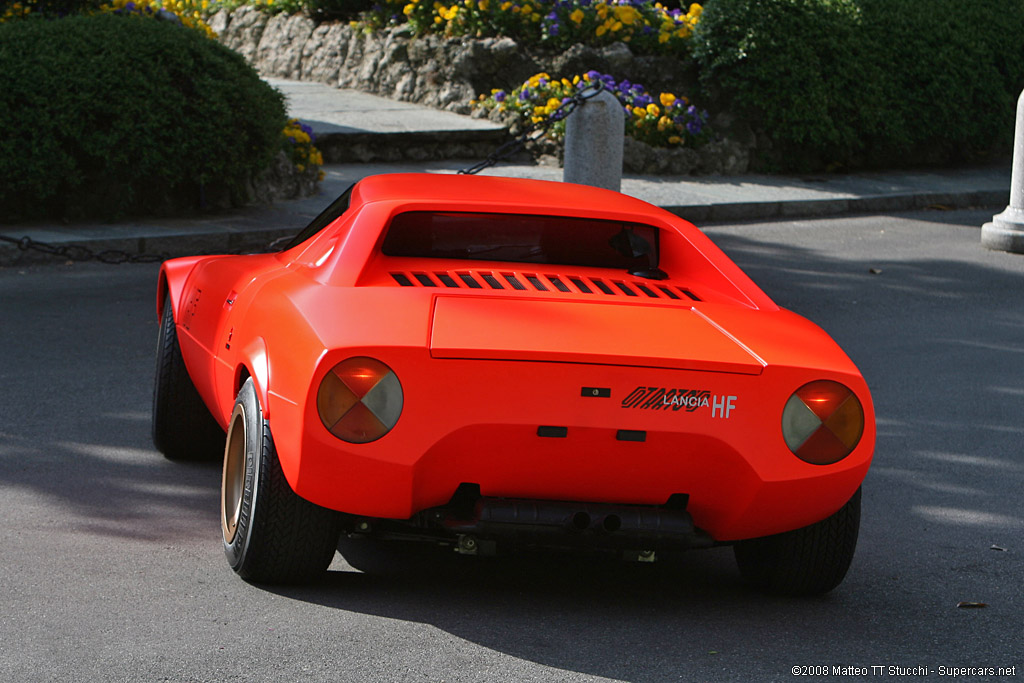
353	126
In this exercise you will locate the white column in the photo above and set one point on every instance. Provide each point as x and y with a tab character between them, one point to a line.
1006	231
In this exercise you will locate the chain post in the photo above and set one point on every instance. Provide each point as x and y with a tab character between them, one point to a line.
519	142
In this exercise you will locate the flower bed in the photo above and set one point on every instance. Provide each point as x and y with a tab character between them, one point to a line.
647	26
668	121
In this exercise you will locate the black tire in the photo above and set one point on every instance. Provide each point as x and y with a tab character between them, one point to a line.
183	428
808	561
271	535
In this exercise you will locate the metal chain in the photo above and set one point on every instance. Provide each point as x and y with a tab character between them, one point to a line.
74	252
533	131
519	142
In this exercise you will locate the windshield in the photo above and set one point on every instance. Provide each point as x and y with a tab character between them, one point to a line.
326	217
523	239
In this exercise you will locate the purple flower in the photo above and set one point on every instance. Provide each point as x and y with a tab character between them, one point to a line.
499	96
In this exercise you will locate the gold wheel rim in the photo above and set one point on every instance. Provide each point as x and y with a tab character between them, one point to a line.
233	479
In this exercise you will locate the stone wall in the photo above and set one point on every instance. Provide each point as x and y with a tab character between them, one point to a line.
447	73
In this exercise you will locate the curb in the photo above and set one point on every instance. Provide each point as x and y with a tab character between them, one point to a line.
810	208
220	241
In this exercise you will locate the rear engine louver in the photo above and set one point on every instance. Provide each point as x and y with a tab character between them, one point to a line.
552	284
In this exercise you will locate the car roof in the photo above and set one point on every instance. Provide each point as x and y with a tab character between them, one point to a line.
497	193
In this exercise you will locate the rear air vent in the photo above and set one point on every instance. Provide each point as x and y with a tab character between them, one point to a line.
446	280
557	285
470	282
514	281
424	279
491	281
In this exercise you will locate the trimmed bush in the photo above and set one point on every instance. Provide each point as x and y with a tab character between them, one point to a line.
47	8
108	115
861	83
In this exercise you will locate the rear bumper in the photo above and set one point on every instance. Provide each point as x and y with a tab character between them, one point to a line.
525	431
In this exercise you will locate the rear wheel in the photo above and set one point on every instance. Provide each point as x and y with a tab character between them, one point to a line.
808	561
271	535
183	428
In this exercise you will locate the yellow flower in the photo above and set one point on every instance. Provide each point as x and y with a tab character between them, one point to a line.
627	14
664	123
639	112
653	109
527	9
675	140
554	103
663	38
535	79
577	16
667	99
601	30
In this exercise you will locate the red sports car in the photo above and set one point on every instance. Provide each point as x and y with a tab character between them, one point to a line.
486	362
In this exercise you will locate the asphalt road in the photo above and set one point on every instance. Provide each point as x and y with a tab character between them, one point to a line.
111	567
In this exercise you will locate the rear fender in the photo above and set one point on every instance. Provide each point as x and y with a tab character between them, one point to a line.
173	274
257	366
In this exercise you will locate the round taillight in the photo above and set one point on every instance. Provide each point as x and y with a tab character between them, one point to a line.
822	422
359	400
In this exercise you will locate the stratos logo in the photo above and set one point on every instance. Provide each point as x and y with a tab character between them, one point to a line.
661	398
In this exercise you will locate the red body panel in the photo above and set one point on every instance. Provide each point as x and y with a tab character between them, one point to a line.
702	362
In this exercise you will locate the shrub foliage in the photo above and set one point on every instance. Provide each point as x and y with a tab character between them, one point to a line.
108	115
854	83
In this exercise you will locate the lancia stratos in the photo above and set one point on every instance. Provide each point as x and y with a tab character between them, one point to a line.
489	363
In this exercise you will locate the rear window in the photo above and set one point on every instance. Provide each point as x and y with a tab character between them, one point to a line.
523	239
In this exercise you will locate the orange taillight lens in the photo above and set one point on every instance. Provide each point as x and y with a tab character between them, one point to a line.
822	422
359	400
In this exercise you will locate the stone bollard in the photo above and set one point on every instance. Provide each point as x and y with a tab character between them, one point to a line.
1006	231
593	143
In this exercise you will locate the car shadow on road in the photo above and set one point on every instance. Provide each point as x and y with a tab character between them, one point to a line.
589	614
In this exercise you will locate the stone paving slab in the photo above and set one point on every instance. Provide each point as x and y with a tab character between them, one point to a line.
334	110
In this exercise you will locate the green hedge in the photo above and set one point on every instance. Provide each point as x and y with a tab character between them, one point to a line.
862	83
108	115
